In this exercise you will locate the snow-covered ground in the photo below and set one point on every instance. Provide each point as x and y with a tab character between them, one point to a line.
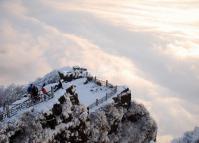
88	93
109	100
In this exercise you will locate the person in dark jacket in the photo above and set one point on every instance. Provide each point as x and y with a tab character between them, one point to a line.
58	86
33	91
29	90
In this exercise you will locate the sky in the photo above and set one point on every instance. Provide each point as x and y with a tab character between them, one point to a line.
150	45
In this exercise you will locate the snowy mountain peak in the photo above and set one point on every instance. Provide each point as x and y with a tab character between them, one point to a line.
89	88
77	107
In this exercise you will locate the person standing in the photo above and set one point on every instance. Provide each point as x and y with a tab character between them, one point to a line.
29	90
44	91
35	92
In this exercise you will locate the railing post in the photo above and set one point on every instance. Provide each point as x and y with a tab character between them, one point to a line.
52	92
7	111
106	82
106	96
97	102
1	116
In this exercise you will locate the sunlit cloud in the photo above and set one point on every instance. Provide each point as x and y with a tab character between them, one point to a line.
189	52
167	16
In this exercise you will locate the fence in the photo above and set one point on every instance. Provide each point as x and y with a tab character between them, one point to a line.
100	82
26	104
103	99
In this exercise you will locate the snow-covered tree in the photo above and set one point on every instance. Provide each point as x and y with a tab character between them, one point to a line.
11	93
189	137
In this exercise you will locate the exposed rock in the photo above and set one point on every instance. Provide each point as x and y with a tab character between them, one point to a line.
57	109
49	121
98	83
89	78
74	99
70	90
73	96
72	75
62	99
124	99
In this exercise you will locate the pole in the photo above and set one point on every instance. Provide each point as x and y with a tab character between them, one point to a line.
97	102
106	97
106	82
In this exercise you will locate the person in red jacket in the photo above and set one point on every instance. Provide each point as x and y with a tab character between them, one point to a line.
44	91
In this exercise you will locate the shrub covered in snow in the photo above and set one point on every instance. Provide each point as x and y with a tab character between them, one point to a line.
11	93
27	129
69	122
115	123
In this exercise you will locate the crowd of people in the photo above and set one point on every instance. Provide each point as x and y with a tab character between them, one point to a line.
35	94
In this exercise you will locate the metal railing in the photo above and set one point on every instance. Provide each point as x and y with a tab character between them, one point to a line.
103	99
43	97
8	113
26	104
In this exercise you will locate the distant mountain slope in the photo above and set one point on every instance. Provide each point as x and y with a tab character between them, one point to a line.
189	137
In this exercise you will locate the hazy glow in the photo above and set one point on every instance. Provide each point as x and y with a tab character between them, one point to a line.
192	52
